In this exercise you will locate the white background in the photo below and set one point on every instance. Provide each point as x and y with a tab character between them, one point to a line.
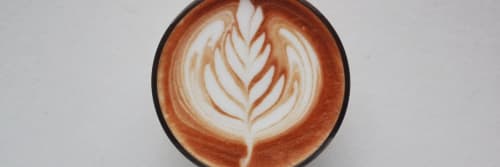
75	83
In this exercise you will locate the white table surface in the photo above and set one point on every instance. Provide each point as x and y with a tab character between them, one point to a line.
75	83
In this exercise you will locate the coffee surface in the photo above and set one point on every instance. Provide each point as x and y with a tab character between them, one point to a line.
250	83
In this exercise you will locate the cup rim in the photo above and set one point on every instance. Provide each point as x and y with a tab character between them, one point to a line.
192	158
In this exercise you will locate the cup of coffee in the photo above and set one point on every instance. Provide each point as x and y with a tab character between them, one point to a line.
250	83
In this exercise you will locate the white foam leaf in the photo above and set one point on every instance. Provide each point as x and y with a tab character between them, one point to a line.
238	89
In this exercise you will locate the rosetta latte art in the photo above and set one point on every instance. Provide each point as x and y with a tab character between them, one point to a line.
235	81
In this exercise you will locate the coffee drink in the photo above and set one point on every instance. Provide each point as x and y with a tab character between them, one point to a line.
250	82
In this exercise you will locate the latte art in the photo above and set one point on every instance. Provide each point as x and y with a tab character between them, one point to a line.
237	76
231	82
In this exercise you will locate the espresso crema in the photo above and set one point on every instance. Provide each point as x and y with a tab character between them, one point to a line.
250	83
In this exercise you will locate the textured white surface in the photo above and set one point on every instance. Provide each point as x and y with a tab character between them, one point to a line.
75	83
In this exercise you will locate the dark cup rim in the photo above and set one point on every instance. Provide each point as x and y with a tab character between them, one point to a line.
192	158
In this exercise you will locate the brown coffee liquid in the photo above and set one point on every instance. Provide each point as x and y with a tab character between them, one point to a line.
250	83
